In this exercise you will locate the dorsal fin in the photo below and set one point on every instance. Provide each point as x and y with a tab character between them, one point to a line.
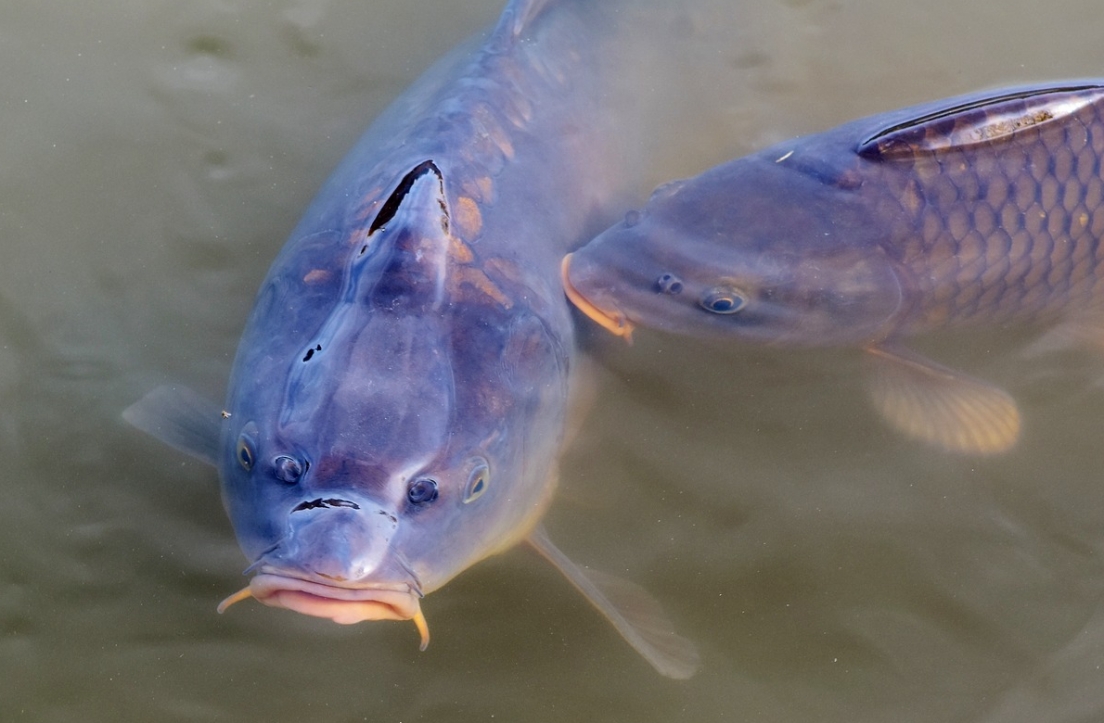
515	18
973	120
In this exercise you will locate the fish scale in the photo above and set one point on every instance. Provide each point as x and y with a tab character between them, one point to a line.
986	209
1010	229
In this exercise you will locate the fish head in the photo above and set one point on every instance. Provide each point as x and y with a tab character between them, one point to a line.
753	250
408	434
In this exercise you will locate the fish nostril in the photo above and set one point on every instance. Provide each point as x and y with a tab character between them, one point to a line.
288	469
422	491
668	284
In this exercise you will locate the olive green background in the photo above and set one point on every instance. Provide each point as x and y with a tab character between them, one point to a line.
153	157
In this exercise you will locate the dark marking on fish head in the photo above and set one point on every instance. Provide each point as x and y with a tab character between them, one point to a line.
448	423
428	206
402	263
424	388
372	397
339	539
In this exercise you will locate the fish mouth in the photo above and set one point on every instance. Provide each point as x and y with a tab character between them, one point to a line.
343	605
614	322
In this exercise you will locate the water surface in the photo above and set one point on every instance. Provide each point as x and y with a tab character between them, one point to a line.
154	157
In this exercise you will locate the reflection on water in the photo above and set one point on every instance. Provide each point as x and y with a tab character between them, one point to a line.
153	160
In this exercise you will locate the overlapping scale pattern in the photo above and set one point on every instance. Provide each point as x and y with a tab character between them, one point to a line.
1005	228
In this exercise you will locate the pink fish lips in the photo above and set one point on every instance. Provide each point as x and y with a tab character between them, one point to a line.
344	605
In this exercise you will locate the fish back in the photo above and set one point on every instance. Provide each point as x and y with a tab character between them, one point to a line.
1001	203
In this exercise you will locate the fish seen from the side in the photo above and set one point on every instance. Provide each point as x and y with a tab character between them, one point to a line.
981	209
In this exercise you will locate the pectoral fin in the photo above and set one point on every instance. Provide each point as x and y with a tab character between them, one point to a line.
1085	331
941	406
181	419
636	614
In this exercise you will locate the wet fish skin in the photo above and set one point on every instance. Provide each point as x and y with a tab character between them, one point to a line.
981	209
439	346
397	404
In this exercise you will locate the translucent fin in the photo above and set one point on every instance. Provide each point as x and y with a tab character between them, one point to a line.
517	16
636	614
941	406
581	399
1085	332
181	419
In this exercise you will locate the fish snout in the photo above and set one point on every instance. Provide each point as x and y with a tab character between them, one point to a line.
602	311
343	605
337	539
337	562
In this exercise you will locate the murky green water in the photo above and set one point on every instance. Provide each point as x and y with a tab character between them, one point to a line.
154	156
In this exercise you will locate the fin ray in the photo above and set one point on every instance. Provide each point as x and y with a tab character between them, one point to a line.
180	418
1084	331
636	614
941	406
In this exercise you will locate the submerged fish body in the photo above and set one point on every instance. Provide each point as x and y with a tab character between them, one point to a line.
982	209
397	404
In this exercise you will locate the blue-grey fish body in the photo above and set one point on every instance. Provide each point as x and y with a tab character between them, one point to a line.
983	209
397	404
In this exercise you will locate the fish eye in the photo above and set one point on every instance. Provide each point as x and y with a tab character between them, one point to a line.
477	482
669	284
245	450
288	469
422	491
723	300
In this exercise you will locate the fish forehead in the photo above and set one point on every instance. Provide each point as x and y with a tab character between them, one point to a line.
513	140
380	388
377	375
751	220
376	380
480	345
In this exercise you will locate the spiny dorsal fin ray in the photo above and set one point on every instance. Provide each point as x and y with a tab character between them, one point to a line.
973	120
942	406
636	614
181	419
